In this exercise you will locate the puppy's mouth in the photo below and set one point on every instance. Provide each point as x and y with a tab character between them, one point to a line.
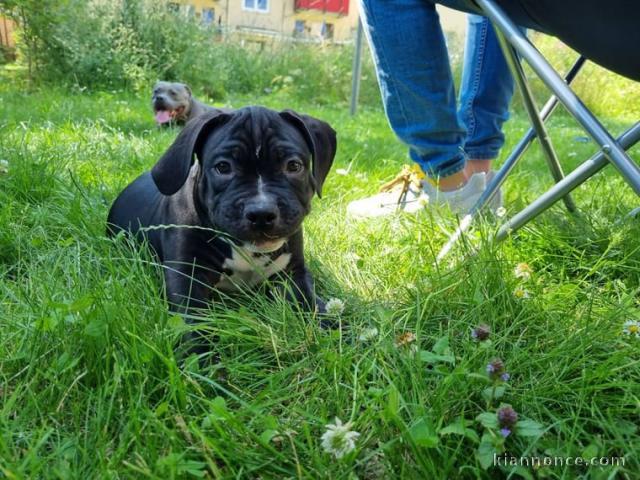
165	116
265	246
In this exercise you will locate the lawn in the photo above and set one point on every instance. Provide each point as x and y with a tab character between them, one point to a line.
90	386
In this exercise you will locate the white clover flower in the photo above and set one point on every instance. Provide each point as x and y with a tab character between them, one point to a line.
368	334
334	306
342	171
339	439
523	271
501	212
423	199
521	292
631	328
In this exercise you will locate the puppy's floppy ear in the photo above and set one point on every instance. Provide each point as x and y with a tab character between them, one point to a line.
321	139
172	170
187	88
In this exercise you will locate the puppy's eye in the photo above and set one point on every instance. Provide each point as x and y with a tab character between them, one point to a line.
172	93
222	168
294	166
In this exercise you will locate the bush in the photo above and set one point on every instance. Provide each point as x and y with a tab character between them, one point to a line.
103	43
6	54
131	43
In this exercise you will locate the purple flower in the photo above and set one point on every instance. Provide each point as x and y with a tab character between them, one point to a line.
505	377
495	369
481	332
507	417
505	432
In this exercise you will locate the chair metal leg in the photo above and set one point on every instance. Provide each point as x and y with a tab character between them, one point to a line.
611	149
538	124
508	165
574	179
578	176
522	146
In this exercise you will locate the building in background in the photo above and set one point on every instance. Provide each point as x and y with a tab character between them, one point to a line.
311	20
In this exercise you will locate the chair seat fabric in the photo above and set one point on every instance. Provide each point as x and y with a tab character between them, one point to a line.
605	32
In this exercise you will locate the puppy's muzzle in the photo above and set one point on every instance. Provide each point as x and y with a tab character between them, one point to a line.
262	216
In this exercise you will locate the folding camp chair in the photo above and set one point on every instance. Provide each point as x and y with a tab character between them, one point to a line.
606	33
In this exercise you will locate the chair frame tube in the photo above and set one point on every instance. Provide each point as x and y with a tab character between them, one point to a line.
515	45
573	180
614	153
532	110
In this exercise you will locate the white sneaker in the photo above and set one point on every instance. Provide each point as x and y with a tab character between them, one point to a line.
462	199
402	194
408	194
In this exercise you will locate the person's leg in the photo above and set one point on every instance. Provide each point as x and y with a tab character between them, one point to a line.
412	65
486	89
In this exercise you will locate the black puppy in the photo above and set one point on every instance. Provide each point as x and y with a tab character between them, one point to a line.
224	205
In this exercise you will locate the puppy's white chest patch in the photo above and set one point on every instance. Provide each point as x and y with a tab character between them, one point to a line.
249	269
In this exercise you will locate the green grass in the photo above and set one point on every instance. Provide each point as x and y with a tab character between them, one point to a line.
90	386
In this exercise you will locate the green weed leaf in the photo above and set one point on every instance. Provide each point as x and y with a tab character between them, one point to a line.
460	427
96	328
488	420
423	434
493	393
529	428
487	451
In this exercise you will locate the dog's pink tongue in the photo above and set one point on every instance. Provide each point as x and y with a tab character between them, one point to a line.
162	116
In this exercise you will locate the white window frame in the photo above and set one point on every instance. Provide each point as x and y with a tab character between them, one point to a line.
255	9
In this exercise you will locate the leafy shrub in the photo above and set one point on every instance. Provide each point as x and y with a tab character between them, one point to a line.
7	54
131	43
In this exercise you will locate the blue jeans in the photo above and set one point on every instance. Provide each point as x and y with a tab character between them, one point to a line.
412	65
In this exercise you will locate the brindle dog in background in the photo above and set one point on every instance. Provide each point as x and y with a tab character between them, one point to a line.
173	102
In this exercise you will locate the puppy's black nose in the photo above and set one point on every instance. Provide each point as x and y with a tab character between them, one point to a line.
262	217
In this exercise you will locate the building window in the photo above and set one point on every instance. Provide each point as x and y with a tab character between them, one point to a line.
299	29
208	16
256	5
327	30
